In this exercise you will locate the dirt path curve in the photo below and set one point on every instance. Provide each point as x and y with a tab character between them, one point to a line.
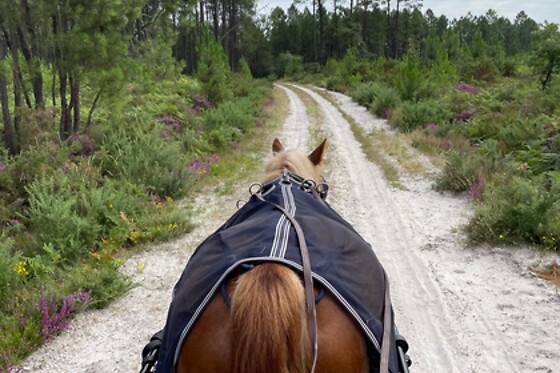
466	310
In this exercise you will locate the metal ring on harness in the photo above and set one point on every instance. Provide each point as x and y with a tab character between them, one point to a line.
323	190
255	188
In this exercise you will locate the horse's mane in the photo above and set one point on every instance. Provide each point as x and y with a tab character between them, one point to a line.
294	161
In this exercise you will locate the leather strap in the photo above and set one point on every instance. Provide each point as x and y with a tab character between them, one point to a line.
387	329
307	279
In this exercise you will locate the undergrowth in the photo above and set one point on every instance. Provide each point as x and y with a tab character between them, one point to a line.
496	128
73	211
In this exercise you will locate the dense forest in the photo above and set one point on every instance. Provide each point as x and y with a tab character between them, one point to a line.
50	50
112	110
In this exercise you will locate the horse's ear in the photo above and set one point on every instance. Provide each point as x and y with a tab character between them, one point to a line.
277	146
317	155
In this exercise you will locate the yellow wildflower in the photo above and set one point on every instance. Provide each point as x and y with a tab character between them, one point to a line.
133	237
21	268
168	199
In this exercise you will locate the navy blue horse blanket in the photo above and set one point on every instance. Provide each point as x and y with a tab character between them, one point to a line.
341	261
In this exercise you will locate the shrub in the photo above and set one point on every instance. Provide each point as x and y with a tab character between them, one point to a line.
11	269
294	68
214	72
410	80
229	121
36	162
465	169
419	114
53	218
242	79
387	99
335	83
70	215
521	132
483	69
517	208
365	93
145	158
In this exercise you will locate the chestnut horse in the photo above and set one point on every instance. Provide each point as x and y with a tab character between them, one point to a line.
265	330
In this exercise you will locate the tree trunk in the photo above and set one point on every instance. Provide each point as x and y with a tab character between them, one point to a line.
65	117
321	34
233	24
314	32
389	37
75	101
4	101
13	46
17	104
92	109
31	56
215	20
201	22
395	33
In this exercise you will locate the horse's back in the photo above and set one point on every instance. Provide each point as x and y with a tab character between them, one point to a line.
342	345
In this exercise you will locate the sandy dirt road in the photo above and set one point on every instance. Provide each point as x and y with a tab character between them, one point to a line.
463	309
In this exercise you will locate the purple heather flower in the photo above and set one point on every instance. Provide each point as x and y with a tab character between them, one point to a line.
475	191
463	116
14	222
464	87
199	167
446	145
203	101
170	120
55	319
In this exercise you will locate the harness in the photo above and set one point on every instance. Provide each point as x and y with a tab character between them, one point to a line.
281	195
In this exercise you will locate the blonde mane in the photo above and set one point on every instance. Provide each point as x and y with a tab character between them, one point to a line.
294	161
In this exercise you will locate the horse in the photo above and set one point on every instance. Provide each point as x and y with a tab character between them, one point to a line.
265	329
285	285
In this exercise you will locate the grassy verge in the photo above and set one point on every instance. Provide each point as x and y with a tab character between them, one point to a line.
72	212
314	116
369	143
